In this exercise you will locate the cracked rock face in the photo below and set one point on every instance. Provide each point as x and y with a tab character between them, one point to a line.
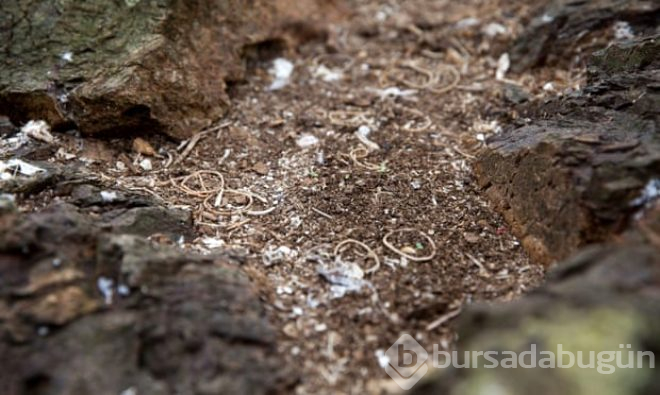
577	176
124	65
88	308
552	35
602	297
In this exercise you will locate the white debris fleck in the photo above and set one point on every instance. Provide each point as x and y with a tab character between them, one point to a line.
345	277
131	390
108	196
212	242
120	165
284	290
650	193
467	22
145	164
481	137
67	56
320	327
547	18
392	91
281	71
272	256
312	302
383	359
63	154
13	143
364	130
307	140
105	286
623	31
494	29
549	87
297	310
320	158
361	133
123	290
327	74
295	222
10	168
391	262
38	130
381	16
503	65
57	262
416	184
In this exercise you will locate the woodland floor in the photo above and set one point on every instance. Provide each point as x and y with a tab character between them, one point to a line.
290	209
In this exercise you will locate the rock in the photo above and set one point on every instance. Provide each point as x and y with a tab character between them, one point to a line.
6	127
59	307
603	297
87	311
515	94
7	203
137	260
560	26
574	177
18	176
151	65
87	195
145	221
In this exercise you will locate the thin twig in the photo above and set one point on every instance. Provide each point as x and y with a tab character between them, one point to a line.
328	216
189	147
444	318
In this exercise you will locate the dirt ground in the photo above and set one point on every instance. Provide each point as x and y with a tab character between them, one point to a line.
349	191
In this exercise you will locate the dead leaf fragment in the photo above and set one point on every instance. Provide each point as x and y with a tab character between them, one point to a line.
260	168
142	146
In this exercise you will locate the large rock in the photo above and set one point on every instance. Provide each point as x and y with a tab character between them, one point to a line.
86	311
560	27
602	298
574	177
120	65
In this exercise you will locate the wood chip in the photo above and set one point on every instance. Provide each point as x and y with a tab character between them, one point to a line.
260	168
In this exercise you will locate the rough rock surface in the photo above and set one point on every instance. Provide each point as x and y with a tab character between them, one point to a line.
559	28
605	296
126	65
83	310
575	177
